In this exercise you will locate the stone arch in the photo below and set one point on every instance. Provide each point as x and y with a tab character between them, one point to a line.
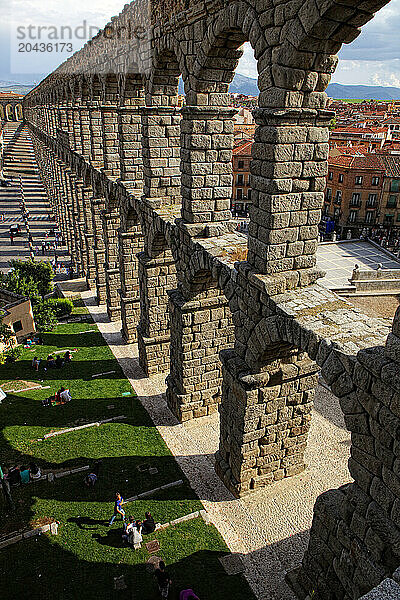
18	112
9	112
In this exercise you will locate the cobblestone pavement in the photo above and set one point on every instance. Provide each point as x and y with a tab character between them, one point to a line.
269	527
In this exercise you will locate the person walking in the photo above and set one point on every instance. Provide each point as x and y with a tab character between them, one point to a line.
118	510
163	580
12	239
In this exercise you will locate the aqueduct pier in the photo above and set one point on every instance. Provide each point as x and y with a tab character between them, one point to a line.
141	189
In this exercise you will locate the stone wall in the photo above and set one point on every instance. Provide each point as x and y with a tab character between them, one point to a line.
142	189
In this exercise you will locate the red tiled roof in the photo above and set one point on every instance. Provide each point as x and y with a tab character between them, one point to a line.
361	162
243	149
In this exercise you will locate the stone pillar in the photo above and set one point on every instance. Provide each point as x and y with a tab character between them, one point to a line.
111	225
80	221
98	206
130	145
87	197
109	119
96	135
130	244
207	144
200	328
288	171
161	155
71	193
157	275
265	418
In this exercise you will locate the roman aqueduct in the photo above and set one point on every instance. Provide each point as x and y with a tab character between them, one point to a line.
141	188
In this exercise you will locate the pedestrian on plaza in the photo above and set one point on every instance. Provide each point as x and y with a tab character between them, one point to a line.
118	510
163	580
12	239
30	238
43	248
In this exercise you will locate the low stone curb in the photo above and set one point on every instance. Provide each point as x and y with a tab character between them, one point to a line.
198	513
52	527
154	491
51	476
95	424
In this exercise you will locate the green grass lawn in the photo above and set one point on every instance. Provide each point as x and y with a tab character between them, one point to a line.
87	554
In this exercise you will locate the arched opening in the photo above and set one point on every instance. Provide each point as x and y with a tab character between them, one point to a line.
130	131
9	113
157	277
161	132
201	327
130	245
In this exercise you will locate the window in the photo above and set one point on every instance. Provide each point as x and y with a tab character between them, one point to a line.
356	199
328	195
330	175
359	179
392	201
248	194
336	213
388	219
371	202
340	178
398	217
352	216
240	180
394	185
370	217
338	197
239	194
241	164
17	326
375	181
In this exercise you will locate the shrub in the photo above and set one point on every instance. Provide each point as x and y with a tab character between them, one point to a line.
13	354
39	272
45	315
61	306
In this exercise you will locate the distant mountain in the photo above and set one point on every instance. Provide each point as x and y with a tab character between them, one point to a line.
362	92
244	85
13	86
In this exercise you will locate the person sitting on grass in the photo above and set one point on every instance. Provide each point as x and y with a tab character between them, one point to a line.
148	524
136	535
59	362
34	471
128	529
163	580
90	479
65	395
67	357
118	510
51	363
25	474
35	363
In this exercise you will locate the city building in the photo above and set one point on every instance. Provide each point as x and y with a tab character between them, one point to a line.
241	192
16	312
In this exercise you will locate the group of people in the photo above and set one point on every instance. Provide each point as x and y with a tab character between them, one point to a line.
51	362
62	396
23	474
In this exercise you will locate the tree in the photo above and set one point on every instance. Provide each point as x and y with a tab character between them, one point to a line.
45	316
16	282
41	273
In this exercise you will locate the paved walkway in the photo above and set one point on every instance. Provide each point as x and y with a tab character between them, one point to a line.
21	171
269	527
338	260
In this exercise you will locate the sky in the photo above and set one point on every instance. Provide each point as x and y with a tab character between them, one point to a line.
372	59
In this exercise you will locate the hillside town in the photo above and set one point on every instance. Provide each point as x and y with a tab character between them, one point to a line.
363	181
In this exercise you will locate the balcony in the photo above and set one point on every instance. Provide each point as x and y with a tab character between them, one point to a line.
355	203
373	204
